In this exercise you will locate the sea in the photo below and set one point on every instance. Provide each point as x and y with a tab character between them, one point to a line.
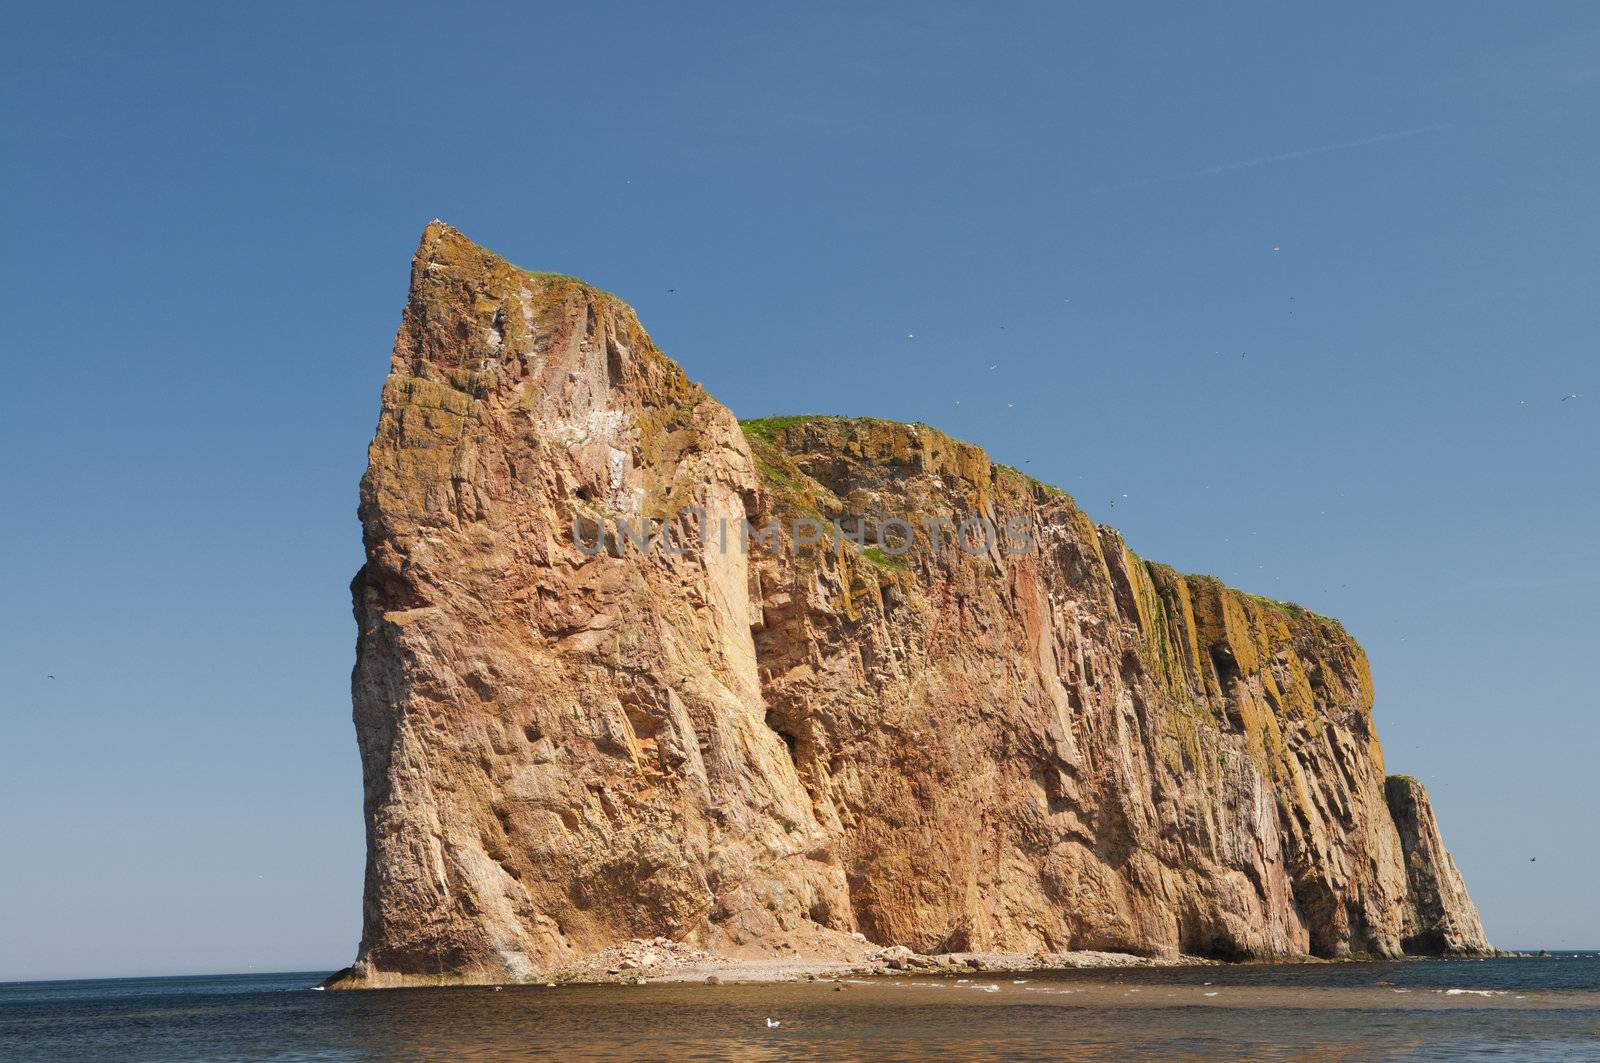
1513	1009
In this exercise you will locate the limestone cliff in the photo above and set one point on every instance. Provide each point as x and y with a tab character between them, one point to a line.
570	738
1439	916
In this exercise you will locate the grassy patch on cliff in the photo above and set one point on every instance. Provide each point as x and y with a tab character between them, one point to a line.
1033	481
884	559
790	489
567	278
766	429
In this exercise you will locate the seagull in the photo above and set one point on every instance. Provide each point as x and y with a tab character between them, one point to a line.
773	1024
1275	247
910	336
995	366
671	291
49	677
1572	397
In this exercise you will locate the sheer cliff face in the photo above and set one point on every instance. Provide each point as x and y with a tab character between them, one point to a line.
1028	749
560	751
1439	916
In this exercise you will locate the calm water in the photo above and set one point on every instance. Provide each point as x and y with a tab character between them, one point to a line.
1537	1009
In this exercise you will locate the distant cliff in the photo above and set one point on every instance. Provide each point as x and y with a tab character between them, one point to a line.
967	718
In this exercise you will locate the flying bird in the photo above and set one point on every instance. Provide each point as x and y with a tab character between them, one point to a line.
1572	397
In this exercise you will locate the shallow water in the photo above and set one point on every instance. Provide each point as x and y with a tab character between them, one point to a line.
1536	1009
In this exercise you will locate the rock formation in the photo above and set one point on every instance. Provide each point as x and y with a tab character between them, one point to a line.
1439	916
608	687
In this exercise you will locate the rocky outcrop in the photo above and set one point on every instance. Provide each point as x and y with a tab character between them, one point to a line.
593	707
1440	918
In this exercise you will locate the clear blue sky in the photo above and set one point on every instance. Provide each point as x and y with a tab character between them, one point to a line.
210	211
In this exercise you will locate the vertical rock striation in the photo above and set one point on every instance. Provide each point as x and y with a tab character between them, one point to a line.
1440	918
559	750
801	745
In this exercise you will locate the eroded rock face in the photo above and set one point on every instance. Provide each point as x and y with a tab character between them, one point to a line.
566	748
1440	918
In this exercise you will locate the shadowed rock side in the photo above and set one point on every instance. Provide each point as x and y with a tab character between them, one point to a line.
783	753
1439	918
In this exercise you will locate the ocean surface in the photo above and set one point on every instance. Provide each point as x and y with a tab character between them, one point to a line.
1493	1009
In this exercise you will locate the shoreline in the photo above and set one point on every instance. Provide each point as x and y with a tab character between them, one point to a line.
900	961
659	961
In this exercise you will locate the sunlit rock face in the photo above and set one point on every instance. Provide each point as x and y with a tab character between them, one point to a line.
762	745
1440	918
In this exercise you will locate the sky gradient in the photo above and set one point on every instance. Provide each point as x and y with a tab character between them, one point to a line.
1290	294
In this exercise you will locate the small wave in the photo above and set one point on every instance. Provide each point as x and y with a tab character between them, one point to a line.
1475	992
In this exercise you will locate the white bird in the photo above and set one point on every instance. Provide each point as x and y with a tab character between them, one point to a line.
773	1024
1571	397
995	366
909	336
